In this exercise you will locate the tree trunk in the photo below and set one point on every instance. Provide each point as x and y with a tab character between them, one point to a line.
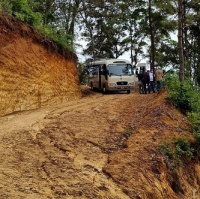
180	40
152	56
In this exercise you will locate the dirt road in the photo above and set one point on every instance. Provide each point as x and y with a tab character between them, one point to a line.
95	147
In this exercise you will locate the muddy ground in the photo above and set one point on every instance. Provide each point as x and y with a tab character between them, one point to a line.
100	146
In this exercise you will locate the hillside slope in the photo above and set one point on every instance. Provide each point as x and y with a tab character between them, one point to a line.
34	72
100	146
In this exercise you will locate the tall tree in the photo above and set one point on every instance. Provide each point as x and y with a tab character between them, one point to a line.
46	8
160	26
180	40
136	25
104	28
192	22
66	15
152	36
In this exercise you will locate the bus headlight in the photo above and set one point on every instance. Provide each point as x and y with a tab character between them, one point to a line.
111	84
131	83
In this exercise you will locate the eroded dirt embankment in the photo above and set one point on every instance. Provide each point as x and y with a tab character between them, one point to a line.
33	71
101	146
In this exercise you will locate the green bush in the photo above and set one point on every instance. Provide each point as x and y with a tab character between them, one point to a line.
183	95
5	6
22	11
178	150
58	37
166	148
183	148
194	118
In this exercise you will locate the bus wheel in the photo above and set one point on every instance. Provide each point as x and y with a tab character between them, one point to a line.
128	91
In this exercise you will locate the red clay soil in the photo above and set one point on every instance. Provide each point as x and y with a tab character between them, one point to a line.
34	72
100	146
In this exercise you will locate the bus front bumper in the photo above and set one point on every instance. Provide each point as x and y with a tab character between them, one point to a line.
120	88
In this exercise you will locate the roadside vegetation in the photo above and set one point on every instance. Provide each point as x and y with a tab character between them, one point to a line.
186	97
180	151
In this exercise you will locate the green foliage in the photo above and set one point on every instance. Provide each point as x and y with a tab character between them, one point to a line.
167	53
197	137
166	149
115	27
183	95
177	150
82	73
34	14
59	37
194	118
183	148
22	11
5	6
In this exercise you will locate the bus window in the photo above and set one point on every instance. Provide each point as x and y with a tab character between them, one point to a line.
120	69
93	71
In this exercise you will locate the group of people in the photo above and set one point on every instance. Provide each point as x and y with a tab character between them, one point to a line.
148	79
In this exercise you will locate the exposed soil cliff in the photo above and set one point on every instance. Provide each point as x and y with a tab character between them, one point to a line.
34	72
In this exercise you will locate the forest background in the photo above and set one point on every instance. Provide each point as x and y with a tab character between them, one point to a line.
111	28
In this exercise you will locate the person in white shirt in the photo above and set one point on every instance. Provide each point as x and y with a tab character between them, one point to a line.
151	78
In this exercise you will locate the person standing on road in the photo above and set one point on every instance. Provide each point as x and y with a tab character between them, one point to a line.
159	78
151	79
145	81
140	84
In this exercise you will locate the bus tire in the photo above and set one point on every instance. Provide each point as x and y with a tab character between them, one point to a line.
128	91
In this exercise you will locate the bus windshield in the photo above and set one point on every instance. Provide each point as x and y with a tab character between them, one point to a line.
119	70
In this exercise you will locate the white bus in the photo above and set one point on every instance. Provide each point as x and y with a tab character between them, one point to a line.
111	75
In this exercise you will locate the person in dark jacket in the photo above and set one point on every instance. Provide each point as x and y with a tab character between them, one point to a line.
141	87
146	81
